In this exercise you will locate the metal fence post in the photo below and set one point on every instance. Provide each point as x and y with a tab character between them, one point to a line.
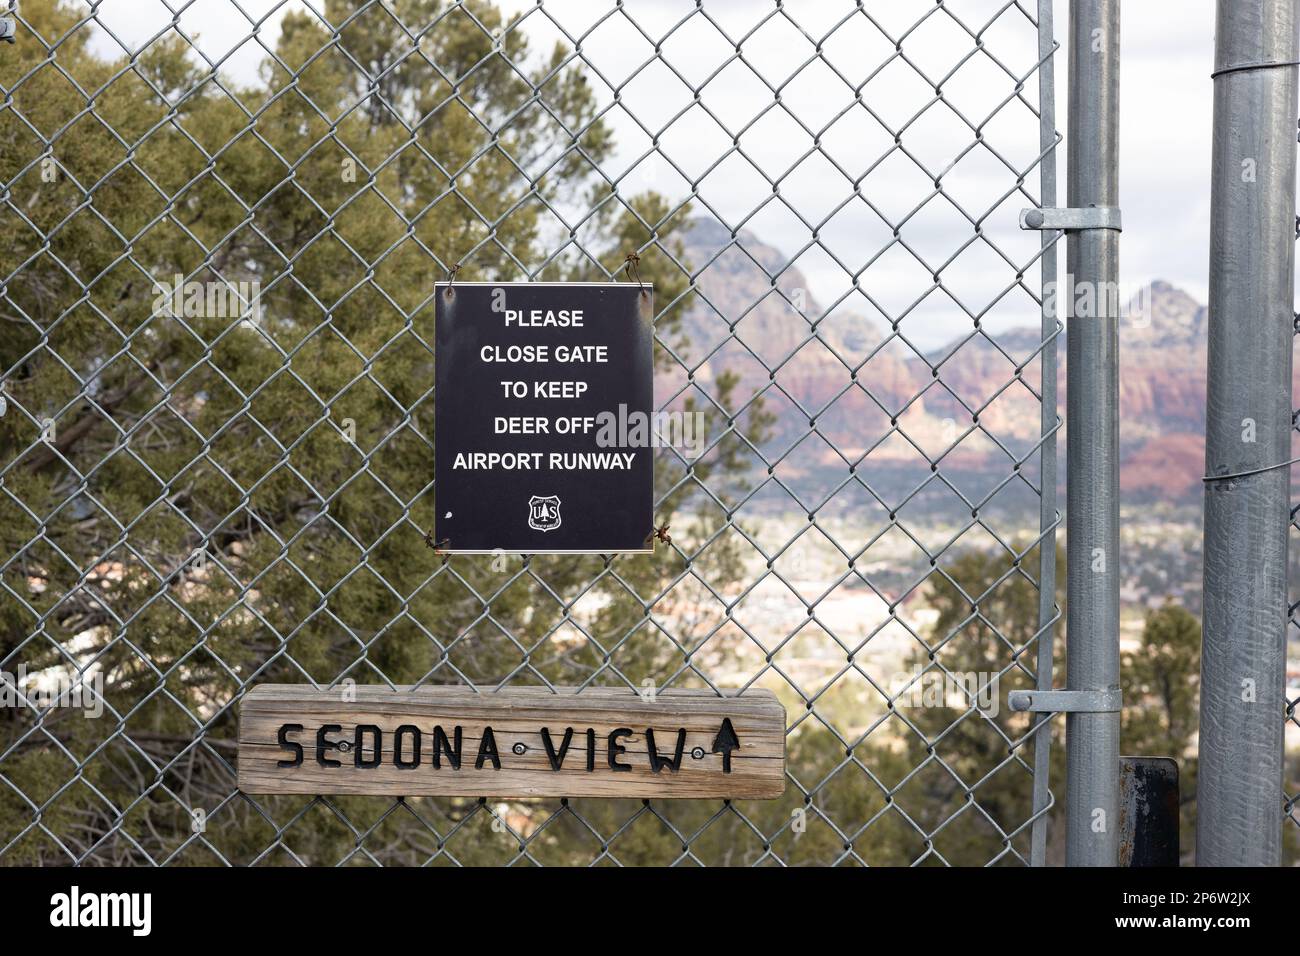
1092	437
1248	429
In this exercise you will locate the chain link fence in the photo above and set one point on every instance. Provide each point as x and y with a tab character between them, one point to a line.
216	444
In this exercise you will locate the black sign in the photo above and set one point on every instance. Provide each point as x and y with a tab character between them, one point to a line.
543	396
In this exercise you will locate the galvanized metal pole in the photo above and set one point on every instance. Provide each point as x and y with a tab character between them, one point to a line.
1092	437
1248	427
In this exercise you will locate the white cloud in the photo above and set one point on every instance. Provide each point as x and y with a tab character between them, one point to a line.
1165	131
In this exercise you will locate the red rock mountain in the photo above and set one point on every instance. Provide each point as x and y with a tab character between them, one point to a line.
845	372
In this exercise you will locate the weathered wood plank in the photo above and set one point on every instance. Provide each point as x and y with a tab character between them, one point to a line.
731	746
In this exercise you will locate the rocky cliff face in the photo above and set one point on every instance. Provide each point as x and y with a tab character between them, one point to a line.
847	372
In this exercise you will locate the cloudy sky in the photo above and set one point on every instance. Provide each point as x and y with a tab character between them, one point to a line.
1165	140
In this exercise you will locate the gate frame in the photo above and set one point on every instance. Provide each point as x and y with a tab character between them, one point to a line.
1091	223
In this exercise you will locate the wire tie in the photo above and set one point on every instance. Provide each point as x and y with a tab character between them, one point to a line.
1253	471
1248	67
633	270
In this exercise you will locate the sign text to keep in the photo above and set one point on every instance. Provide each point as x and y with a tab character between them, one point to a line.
544	389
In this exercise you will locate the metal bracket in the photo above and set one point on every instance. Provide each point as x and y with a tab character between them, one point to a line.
1072	220
1065	701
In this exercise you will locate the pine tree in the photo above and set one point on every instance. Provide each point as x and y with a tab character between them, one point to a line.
227	499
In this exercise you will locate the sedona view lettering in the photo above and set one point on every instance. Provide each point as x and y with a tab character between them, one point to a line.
409	747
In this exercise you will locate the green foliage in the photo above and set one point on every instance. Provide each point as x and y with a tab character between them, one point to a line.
987	611
346	183
1163	672
1161	681
973	788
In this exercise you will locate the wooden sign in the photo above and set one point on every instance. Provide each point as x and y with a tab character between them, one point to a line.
516	742
543	420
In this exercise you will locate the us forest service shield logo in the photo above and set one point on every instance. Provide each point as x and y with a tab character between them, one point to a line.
544	512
